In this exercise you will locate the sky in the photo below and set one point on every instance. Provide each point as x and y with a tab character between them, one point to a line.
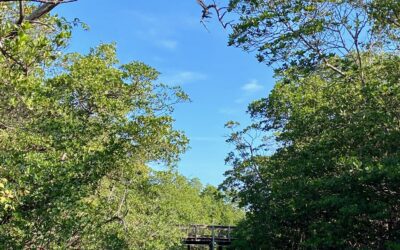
167	35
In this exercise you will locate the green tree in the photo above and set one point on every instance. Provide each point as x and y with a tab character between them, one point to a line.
66	122
319	167
149	212
306	33
333	182
77	133
74	129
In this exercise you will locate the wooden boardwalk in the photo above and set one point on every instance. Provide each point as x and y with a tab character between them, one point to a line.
216	237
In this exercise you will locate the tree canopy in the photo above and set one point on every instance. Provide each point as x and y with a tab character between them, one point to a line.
333	181
77	136
319	166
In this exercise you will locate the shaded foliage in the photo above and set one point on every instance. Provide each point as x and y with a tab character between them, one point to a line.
333	182
319	167
77	133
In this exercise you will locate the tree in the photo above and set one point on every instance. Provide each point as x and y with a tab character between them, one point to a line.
333	181
148	212
305	33
72	130
66	122
19	20
319	166
77	133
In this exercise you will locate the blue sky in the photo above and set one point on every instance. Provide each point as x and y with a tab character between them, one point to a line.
167	35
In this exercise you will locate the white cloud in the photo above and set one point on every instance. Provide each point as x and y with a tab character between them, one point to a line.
168	44
144	18
249	91
157	32
191	76
183	77
252	86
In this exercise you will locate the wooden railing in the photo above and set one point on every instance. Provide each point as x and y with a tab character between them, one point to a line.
211	235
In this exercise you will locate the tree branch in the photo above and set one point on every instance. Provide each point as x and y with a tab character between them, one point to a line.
12	58
206	13
21	12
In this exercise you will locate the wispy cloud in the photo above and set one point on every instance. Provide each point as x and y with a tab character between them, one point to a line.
168	43
182	77
156	32
248	92
145	18
252	86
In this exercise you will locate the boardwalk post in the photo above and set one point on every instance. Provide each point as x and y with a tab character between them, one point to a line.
195	233
212	238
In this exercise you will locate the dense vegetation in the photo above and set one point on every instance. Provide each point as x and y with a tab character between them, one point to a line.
77	133
335	177
320	167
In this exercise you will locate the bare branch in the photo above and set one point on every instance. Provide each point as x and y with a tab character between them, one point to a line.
42	10
206	13
45	7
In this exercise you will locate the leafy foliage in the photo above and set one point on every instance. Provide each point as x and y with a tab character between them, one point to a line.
74	128
304	33
77	133
147	212
333	182
319	167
